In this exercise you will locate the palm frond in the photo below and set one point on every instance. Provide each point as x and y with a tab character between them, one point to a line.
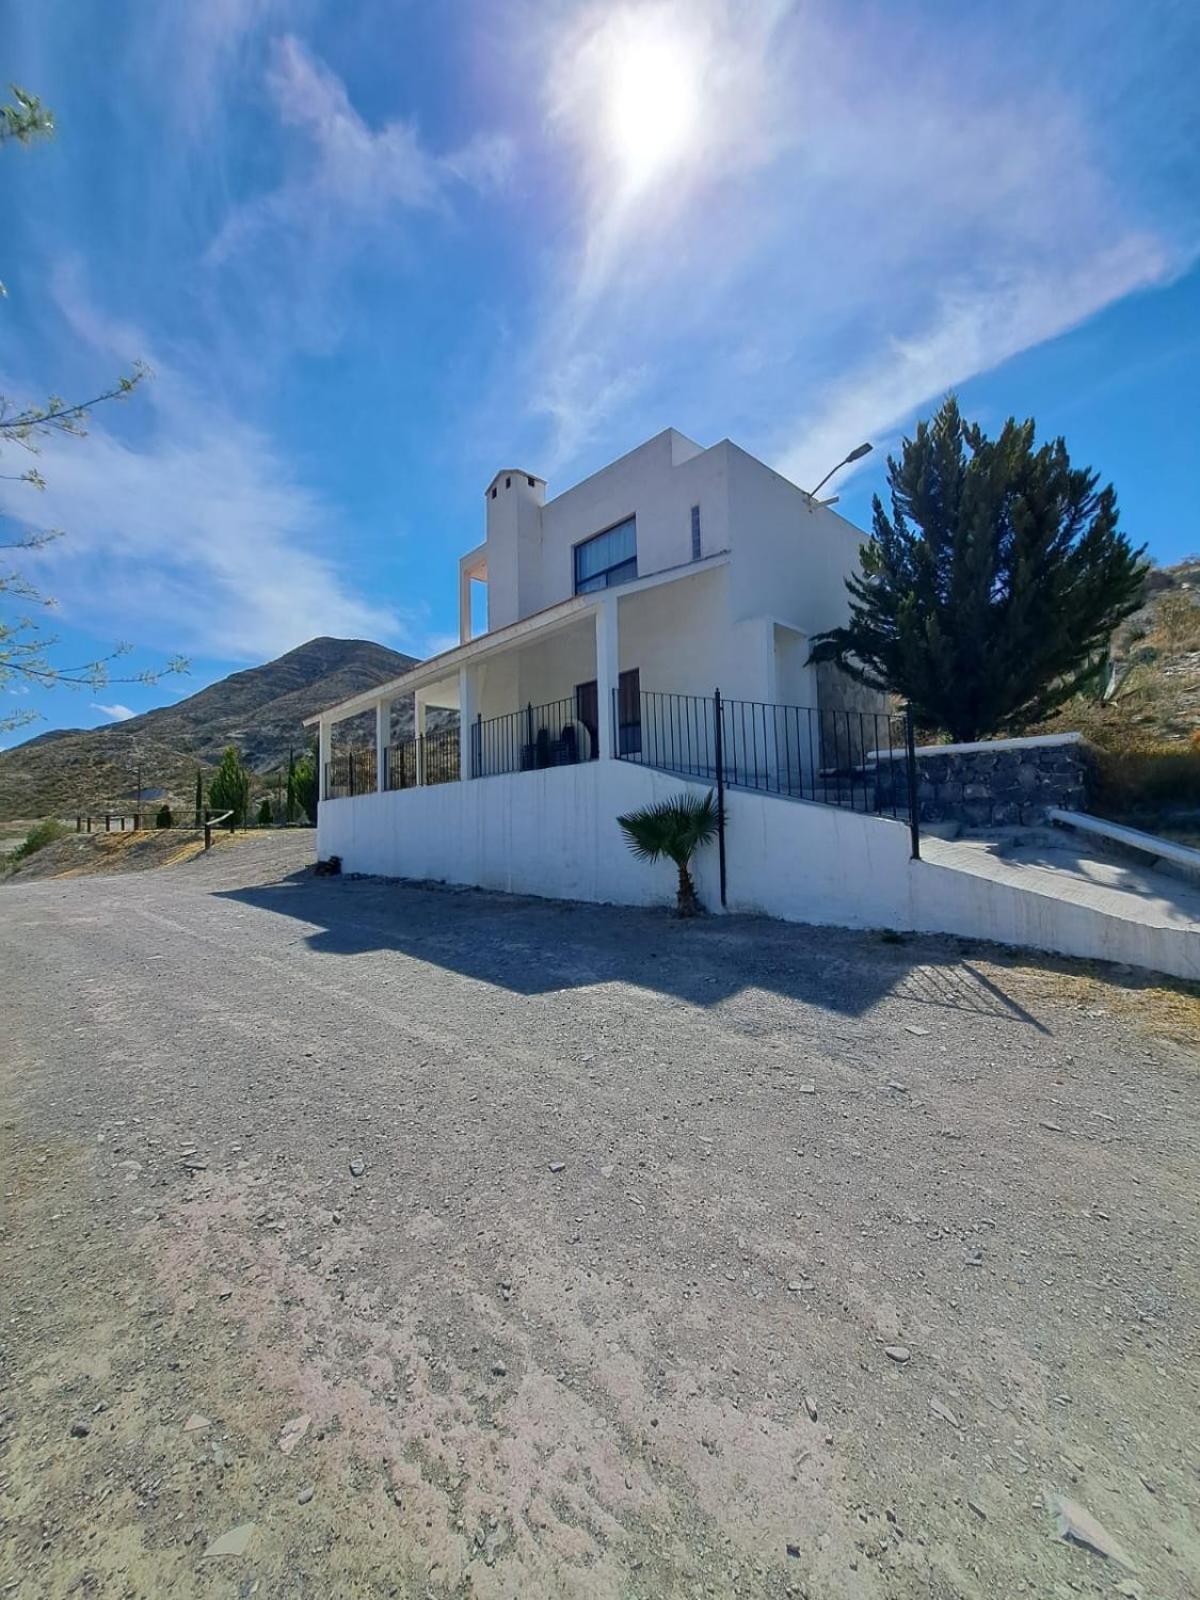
675	828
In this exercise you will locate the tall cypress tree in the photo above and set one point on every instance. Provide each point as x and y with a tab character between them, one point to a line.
199	799
291	786
986	594
230	788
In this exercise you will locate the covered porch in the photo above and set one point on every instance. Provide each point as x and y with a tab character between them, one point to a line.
565	686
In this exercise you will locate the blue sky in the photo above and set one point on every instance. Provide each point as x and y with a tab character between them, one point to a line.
375	251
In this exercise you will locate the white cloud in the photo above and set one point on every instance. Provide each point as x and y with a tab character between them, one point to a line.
966	335
118	712
196	50
349	173
865	216
187	530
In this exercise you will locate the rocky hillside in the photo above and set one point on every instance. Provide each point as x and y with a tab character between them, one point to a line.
261	710
1152	692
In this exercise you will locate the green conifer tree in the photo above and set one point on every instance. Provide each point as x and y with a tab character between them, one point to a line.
985	596
229	789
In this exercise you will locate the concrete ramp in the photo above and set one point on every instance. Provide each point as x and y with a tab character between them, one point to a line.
1062	893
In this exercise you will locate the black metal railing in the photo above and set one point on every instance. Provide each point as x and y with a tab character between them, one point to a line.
401	769
351	773
440	756
436	753
550	735
861	760
832	757
356	772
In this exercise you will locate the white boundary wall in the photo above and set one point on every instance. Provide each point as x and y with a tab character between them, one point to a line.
554	833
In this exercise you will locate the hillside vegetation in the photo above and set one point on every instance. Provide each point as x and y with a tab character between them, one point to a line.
1144	715
261	711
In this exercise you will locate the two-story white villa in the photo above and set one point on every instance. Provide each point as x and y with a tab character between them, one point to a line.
649	630
671	573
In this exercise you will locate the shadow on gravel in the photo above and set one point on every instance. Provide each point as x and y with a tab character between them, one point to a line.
536	947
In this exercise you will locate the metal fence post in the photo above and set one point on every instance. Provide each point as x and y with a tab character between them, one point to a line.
720	755
910	746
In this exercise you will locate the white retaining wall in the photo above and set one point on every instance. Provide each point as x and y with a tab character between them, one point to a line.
554	833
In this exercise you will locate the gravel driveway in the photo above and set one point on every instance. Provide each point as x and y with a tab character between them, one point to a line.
438	1243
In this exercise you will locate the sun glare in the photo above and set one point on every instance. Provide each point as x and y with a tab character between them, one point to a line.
653	105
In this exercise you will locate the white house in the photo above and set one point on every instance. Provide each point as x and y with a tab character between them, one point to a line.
615	612
671	573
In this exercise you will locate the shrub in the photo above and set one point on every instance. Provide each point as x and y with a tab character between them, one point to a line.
164	817
676	829
1146	775
264	813
40	835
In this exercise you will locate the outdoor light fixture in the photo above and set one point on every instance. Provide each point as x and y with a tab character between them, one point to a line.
855	455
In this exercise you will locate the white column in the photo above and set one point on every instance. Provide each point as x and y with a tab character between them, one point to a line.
383	729
419	731
607	674
324	750
464	605
467	708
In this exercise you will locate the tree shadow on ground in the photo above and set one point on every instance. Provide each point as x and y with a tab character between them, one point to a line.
539	947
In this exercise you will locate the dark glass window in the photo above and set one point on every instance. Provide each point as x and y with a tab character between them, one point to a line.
608	559
695	533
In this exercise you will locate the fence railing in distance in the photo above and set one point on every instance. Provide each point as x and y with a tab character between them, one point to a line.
550	735
800	751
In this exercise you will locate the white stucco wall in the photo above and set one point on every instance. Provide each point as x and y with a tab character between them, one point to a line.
554	833
789	562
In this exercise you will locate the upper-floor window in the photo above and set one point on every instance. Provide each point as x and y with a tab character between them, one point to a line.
610	558
695	533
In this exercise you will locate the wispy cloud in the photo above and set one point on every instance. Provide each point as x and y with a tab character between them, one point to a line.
118	712
350	173
868	211
187	528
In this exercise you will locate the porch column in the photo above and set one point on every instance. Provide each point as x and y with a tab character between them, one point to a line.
383	729
464	605
419	732
324	747
467	708
607	674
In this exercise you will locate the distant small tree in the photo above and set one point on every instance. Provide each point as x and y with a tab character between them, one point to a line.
229	789
985	596
164	818
305	786
264	813
199	798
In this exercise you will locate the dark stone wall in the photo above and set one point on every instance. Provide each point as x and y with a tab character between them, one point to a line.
995	788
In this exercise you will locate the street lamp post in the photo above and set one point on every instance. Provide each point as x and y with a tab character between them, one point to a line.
855	455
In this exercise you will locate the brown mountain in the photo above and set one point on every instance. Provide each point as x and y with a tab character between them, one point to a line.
261	711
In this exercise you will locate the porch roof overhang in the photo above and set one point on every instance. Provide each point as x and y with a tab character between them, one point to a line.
440	667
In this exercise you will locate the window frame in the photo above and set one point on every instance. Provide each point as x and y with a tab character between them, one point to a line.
594	587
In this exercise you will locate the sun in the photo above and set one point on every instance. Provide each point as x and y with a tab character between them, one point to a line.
652	102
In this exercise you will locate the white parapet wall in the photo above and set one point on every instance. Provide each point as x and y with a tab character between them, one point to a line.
554	833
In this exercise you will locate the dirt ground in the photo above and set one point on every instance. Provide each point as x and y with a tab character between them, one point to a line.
452	1245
